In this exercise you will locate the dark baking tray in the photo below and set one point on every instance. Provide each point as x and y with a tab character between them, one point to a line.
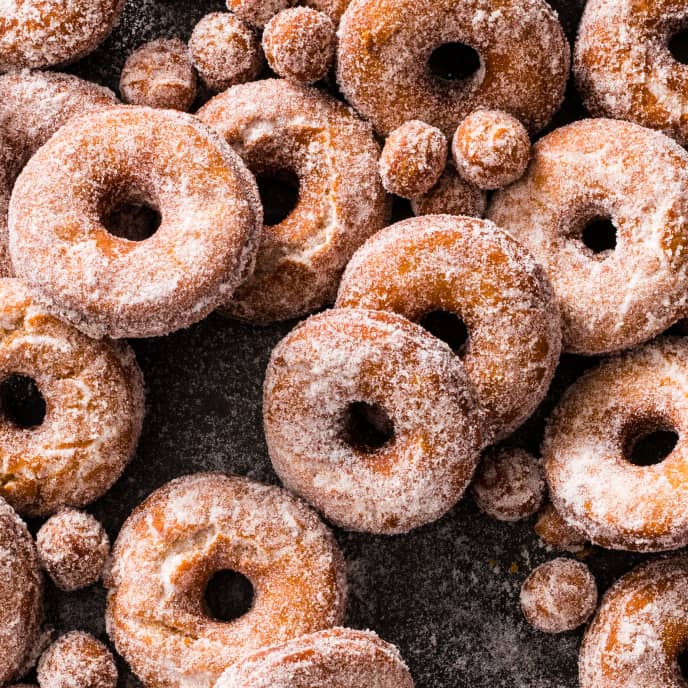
447	594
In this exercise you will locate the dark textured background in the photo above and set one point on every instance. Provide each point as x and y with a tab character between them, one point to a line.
447	594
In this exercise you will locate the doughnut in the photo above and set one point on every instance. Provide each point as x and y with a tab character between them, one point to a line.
441	267
556	533
258	12
184	533
385	66
333	8
613	292
640	630
225	50
559	595
21	595
509	484
33	106
77	660
624	68
371	420
413	159
336	658
47	33
285	131
94	405
451	196
491	149
299	44
589	450
73	548
107	285
159	74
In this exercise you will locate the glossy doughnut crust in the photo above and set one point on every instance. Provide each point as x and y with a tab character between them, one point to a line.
46	33
277	126
352	356
639	630
110	286
385	46
593	486
21	594
472	269
336	658
33	106
624	68
185	532
606	169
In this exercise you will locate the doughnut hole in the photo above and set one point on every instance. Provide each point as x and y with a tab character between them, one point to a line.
258	12
279	193
649	441
454	61
682	661
599	235
21	401
678	46
448	327
228	595
130	213
367	427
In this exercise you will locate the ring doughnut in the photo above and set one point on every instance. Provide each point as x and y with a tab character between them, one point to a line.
614	289
470	269
183	534
386	46
639	630
336	658
589	450
108	285
371	419
94	405
280	128
623	64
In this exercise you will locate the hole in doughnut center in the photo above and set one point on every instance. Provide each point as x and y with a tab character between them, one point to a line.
454	61
599	235
367	427
448	327
678	46
279	194
21	401
649	447
228	595
682	661
132	218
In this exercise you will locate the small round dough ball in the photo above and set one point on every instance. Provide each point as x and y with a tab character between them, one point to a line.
258	12
556	533
412	161
159	74
73	548
225	50
451	196
491	149
559	595
77	660
509	484
299	44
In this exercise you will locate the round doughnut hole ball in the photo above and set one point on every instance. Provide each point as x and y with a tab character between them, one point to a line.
73	548
225	50
299	44
559	595
491	149
159	74
77	660
413	158
451	196
258	12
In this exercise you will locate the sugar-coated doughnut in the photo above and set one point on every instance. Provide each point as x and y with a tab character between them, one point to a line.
94	405
631	286
183	534
21	594
371	419
33	106
556	533
471	270
333	8
258	12
385	47
624	67
159	74
589	443
73	548
640	630
451	196
559	595
336	658
46	33
108	285
280	128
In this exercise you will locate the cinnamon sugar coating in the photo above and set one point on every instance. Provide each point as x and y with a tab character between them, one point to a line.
336	658
280	128
451	196
471	269
618	294
416	394
258	12
333	8
556	533
184	533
